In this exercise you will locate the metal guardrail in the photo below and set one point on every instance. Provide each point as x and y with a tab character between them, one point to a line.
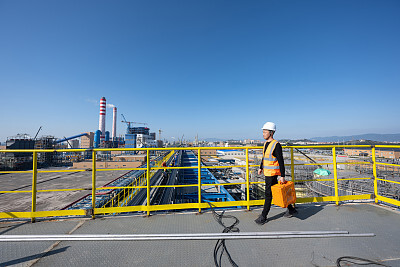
199	204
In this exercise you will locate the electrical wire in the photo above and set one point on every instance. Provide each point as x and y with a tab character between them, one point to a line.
361	261
220	246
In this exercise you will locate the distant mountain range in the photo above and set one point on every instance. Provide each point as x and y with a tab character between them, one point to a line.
373	137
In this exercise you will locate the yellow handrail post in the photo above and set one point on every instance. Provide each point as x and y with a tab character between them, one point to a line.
375	174
148	182
292	164
247	180
34	182
93	182
335	175
199	175
125	194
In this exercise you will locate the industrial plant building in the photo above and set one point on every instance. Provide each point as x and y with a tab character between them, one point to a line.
135	137
387	153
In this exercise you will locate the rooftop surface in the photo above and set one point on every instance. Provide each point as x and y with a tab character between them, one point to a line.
57	180
355	218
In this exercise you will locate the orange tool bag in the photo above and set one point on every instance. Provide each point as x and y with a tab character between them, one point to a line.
283	194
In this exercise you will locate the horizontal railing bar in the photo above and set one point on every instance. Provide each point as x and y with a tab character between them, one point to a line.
174	168
388	200
341	179
36	214
119	169
164	186
318	180
222	167
388	146
326	146
16	172
257	182
11	192
21	238
120	187
62	190
350	163
388	164
192	167
223	184
387	181
330	163
173	207
310	164
180	234
356	178
62	171
180	185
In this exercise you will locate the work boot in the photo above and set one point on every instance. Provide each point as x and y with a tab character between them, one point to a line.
261	220
290	212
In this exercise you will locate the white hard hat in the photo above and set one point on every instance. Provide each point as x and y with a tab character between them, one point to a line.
269	126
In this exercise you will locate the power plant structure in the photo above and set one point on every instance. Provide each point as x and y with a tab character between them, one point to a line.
135	137
102	118
114	126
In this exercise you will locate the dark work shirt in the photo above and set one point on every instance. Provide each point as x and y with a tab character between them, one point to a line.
277	153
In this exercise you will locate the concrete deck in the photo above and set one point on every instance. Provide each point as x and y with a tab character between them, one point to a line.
49	200
355	218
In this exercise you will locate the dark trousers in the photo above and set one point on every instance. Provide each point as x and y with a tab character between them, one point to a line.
270	181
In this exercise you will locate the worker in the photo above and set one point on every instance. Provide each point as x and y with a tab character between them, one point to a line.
164	164
272	166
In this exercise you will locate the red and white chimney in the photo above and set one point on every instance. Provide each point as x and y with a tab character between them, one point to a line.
102	118
114	126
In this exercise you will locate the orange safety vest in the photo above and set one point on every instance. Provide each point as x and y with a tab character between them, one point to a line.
270	163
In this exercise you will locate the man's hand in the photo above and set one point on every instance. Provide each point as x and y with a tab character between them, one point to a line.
260	171
282	180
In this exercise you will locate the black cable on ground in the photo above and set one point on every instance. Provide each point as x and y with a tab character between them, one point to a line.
221	242
361	261
232	228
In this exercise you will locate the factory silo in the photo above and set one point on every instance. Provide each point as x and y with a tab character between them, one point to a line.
96	141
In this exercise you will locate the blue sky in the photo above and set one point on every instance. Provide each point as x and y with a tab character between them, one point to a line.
219	69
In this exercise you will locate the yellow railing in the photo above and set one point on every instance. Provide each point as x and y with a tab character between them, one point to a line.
131	190
144	182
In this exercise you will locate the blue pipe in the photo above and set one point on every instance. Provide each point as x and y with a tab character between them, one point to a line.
69	138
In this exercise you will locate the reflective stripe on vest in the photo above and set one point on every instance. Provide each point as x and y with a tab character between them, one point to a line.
272	167
270	163
271	159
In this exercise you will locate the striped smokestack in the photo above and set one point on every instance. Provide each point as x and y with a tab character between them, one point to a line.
102	118
114	127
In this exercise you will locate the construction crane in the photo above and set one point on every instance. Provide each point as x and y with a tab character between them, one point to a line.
133	122
37	133
304	154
